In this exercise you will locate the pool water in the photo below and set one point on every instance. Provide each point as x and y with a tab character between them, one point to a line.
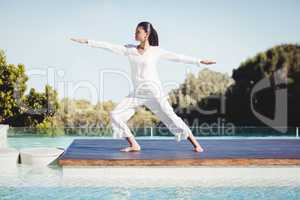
27	182
197	193
32	141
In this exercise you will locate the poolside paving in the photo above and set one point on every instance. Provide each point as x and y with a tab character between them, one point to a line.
168	152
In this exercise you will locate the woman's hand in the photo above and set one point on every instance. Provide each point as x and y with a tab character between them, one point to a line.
80	40
207	62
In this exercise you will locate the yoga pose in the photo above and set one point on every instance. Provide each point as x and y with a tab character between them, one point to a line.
148	90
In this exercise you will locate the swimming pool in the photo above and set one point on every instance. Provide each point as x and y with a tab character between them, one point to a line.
53	182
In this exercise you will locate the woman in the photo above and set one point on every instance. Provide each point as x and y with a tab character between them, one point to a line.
147	86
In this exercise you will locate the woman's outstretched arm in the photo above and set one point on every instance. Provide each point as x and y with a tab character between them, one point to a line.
114	48
176	57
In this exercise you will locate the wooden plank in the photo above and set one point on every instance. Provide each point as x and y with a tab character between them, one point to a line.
167	152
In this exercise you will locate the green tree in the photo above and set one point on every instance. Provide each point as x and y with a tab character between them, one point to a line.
200	92
284	57
12	88
39	105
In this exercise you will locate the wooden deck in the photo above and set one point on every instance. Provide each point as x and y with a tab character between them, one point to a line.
165	152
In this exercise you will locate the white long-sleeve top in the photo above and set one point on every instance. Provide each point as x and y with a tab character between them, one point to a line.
143	66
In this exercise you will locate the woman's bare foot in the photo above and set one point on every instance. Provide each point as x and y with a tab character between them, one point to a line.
131	148
198	149
133	145
197	146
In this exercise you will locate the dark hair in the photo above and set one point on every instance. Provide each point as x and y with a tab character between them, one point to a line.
153	37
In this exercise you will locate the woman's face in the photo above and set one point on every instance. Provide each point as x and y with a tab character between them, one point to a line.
140	34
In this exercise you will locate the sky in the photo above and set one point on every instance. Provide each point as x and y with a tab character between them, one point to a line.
37	34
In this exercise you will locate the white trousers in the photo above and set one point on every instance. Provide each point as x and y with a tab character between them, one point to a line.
159	105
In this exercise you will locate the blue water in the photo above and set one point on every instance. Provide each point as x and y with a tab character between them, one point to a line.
109	193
